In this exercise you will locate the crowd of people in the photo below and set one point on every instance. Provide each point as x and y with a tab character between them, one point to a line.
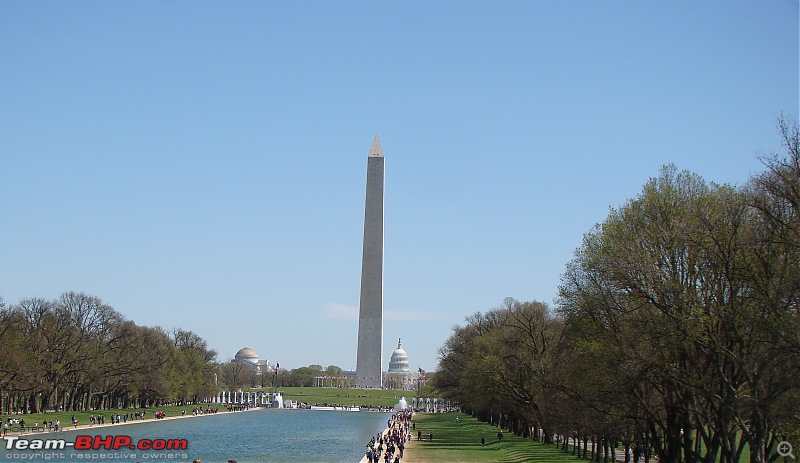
18	425
197	411
391	444
116	418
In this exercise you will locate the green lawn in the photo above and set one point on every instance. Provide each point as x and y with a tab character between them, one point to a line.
461	442
84	417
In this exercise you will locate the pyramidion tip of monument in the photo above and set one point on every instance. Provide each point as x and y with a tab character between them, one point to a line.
376	150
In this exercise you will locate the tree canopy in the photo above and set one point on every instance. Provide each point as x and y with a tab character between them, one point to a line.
675	332
78	353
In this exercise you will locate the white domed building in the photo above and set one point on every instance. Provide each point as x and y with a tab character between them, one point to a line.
249	357
399	375
399	360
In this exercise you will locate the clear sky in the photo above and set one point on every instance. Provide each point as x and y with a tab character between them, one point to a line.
202	165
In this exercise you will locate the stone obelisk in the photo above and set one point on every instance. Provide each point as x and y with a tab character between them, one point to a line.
370	317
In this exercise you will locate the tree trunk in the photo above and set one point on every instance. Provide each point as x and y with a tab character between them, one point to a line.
757	453
35	403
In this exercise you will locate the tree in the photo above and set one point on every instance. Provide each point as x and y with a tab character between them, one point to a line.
774	280
672	278
677	329
236	375
194	365
77	352
497	365
301	377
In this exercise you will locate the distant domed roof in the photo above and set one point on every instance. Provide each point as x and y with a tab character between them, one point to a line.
399	360
247	354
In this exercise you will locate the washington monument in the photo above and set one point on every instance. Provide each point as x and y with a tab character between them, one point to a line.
370	317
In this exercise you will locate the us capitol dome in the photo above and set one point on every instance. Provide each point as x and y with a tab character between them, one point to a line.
399	360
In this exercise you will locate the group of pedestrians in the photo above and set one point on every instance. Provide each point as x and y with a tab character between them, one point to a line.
116	418
18	425
391	443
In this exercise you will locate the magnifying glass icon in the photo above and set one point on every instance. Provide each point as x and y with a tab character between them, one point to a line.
785	449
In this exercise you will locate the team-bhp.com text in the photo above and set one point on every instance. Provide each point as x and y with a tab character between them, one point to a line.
95	443
121	447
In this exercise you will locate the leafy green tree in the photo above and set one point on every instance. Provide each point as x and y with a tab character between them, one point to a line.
772	333
497	365
77	352
669	278
677	330
194	365
301	377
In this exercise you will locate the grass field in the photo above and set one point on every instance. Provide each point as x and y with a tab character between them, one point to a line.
461	442
34	419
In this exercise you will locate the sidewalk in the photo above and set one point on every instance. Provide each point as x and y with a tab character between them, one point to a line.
84	427
396	427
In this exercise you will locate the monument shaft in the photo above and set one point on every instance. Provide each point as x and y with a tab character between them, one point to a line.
370	318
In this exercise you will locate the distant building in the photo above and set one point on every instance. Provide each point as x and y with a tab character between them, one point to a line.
399	360
399	375
249	357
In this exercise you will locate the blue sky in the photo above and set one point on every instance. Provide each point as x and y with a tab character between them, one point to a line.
203	164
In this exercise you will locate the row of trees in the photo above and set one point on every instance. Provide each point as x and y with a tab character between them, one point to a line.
676	330
77	353
238	376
